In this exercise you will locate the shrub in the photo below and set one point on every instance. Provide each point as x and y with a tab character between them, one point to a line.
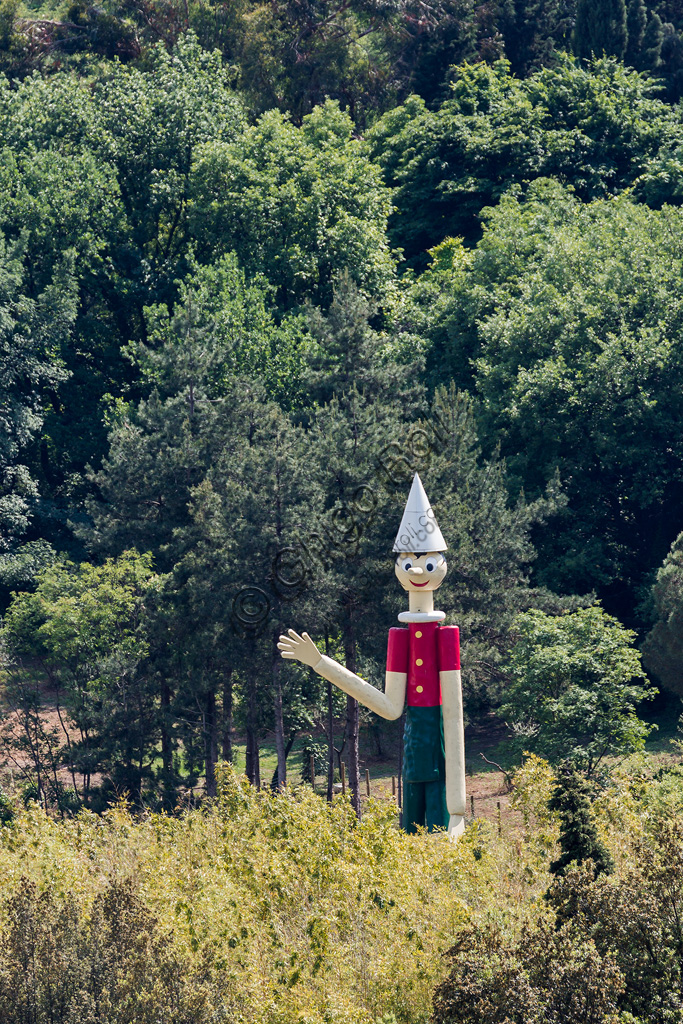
608	948
579	839
60	965
548	975
637	919
274	908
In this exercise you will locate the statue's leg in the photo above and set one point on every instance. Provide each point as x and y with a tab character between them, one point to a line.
435	805
413	805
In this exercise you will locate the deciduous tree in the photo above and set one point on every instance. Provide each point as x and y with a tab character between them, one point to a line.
564	321
575	684
594	128
663	646
298	204
83	632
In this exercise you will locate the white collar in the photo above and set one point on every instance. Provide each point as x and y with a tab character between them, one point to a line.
434	616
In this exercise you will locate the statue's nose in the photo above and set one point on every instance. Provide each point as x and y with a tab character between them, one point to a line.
415	571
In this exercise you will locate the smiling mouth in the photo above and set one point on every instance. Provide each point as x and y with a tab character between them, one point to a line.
420	584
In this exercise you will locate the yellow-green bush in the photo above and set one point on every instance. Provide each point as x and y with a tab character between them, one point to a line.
266	908
273	908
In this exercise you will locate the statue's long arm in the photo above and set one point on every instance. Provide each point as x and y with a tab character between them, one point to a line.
388	704
454	745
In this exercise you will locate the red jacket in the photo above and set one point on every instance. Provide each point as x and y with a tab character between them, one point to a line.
422	651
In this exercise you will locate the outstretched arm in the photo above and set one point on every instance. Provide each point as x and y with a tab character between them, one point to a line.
388	704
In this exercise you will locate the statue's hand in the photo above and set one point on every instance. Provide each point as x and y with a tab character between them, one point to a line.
300	648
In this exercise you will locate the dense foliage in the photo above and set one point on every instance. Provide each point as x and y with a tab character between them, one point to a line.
278	907
574	689
607	950
579	840
596	128
261	263
264	907
564	320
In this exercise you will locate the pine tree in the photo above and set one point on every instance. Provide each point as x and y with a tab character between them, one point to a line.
651	54
172	460
367	401
255	508
600	28
579	839
645	37
636	23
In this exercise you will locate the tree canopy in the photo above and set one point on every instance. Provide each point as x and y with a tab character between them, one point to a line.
595	128
260	264
564	320
576	682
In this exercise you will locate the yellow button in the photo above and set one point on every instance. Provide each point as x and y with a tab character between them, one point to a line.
418	633
419	661
419	689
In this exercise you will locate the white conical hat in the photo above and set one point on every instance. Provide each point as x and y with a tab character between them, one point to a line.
419	531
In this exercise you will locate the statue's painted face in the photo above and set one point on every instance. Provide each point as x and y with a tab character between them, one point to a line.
420	572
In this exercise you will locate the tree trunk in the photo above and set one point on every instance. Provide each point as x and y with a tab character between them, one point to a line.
330	745
210	742
226	738
352	728
376	732
330	733
352	716
288	749
69	763
276	663
277	714
249	755
167	780
253	766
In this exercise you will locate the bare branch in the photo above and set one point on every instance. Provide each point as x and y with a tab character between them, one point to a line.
508	777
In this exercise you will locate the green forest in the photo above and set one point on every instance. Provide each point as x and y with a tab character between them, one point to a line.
260	263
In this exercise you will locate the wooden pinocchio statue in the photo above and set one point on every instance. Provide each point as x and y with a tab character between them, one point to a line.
423	672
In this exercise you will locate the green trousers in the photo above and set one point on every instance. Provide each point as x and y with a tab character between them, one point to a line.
424	803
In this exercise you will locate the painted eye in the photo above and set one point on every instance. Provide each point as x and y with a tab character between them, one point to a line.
406	564
430	565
